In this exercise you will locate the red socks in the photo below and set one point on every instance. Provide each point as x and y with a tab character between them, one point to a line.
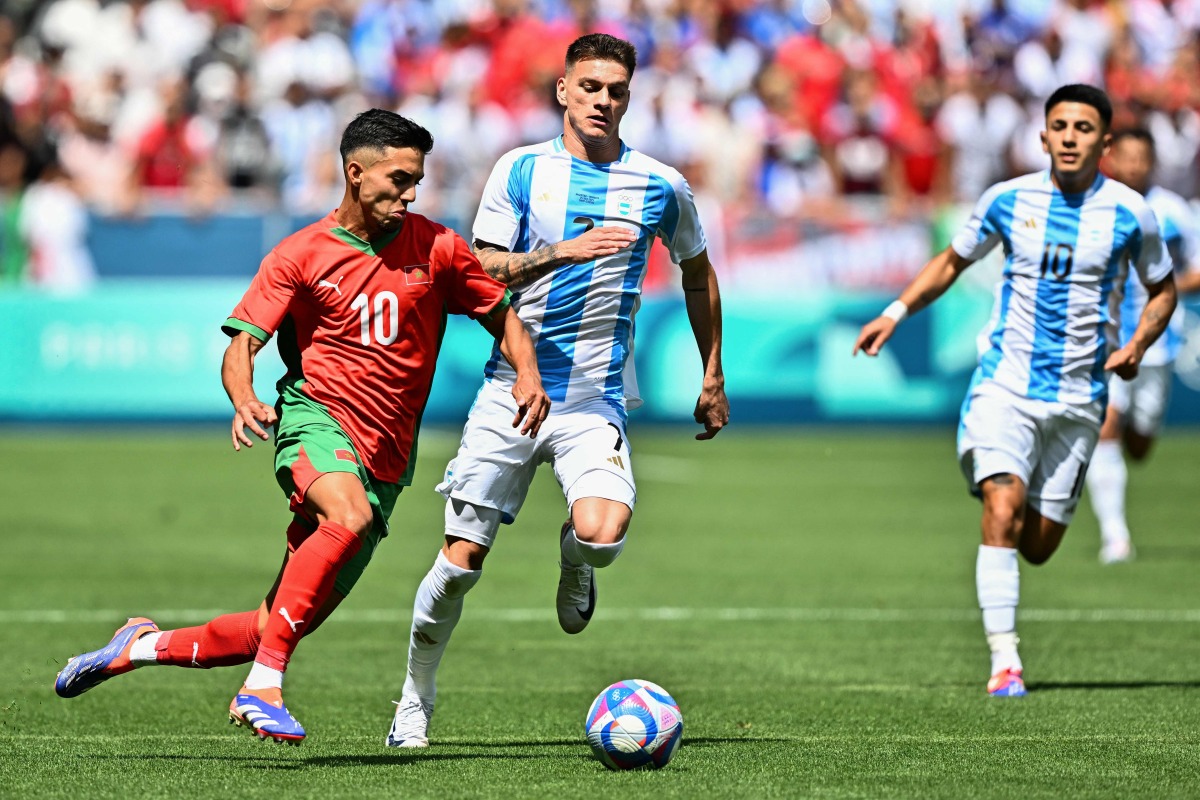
226	641
304	586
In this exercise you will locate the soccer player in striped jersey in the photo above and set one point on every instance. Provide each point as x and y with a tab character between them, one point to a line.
1033	410
359	300
1136	407
568	225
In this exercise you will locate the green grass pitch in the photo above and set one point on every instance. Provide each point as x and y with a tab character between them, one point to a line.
807	596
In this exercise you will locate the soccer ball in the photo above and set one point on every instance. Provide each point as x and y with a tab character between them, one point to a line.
634	724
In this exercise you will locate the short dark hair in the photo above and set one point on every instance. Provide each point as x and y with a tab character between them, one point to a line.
1138	135
378	129
1082	93
602	47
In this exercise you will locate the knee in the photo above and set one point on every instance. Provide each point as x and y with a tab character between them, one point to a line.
1036	557
1138	452
464	553
357	516
600	531
1001	524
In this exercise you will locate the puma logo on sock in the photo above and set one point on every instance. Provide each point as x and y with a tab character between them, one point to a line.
289	620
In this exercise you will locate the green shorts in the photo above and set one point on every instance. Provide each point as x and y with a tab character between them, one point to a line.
310	443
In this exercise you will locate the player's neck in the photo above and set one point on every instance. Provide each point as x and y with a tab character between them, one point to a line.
605	153
1076	183
349	216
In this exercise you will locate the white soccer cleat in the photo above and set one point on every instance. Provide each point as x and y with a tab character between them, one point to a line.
1118	552
410	726
576	599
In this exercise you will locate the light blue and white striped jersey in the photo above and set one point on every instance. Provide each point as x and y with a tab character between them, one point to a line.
1178	225
580	316
1066	260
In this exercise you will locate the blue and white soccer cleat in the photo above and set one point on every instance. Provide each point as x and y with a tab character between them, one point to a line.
1007	683
263	712
576	599
92	669
410	726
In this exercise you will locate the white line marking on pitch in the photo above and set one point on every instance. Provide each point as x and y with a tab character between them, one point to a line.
661	614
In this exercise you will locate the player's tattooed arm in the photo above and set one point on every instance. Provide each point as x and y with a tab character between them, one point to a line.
1159	307
237	376
515	269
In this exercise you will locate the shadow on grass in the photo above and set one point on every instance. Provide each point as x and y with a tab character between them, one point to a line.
1049	686
263	761
400	757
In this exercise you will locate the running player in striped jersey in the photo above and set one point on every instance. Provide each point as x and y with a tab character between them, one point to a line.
1032	413
568	225
359	301
1136	407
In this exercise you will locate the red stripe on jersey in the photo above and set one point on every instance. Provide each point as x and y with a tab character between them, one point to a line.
368	325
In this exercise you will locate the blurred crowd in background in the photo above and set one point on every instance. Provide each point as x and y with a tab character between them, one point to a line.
795	109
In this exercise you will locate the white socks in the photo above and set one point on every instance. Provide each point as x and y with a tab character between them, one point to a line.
143	651
264	677
1107	477
998	584
436	610
576	552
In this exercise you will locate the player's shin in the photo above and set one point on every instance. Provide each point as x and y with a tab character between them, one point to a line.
304	586
436	611
1107	477
226	641
998	584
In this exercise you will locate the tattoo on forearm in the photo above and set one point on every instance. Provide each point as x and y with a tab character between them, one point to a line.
511	268
1003	480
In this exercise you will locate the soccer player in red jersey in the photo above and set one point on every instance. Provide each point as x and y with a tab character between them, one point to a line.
359	301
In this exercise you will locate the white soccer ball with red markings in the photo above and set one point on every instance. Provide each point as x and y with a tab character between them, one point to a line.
634	724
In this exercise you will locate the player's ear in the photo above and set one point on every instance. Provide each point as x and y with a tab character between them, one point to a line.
354	172
561	91
1045	144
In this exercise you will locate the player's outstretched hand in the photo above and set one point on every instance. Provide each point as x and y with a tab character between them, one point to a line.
532	405
1124	362
873	335
596	243
712	410
255	415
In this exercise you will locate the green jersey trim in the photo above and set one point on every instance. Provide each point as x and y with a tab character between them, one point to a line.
502	304
362	245
232	326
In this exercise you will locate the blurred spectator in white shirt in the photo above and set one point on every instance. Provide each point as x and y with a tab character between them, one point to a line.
54	224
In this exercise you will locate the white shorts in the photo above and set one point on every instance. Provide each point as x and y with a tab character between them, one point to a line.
1046	445
1142	402
585	443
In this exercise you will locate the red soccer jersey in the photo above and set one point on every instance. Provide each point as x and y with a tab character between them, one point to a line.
366	323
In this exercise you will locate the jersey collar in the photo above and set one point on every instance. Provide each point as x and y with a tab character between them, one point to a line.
561	147
1085	194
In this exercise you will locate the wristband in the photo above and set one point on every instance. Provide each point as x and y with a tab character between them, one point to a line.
897	312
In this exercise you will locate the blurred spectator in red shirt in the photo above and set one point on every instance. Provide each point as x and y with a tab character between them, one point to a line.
859	136
172	155
922	157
